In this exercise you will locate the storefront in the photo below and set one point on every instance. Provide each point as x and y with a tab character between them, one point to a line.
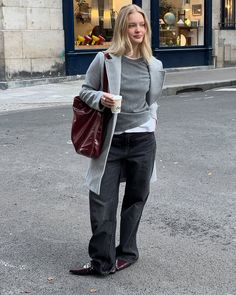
181	30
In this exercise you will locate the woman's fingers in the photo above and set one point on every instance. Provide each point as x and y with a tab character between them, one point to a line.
107	100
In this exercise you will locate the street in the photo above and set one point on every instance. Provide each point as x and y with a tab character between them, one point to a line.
187	236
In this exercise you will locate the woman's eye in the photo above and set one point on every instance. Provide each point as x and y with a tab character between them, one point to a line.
136	25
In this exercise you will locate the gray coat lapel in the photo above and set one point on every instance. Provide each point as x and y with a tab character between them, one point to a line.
113	67
157	77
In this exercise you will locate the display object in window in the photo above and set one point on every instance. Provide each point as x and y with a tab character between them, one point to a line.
82	11
178	25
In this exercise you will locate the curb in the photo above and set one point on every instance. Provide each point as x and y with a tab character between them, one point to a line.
40	81
49	80
176	89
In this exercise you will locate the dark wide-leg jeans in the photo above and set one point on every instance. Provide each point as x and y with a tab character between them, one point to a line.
134	152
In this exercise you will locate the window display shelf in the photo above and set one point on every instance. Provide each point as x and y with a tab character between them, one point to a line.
180	36
104	45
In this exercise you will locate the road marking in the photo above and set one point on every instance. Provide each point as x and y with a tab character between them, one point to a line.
207	97
198	98
6	264
226	89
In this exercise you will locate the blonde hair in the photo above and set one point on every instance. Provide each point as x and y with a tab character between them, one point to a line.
120	41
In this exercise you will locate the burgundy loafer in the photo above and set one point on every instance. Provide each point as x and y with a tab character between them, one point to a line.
122	264
87	270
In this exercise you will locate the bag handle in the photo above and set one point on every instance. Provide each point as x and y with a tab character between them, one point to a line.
105	80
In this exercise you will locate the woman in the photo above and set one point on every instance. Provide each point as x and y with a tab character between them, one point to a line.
129	147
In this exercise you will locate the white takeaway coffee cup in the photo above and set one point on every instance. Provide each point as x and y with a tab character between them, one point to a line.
117	107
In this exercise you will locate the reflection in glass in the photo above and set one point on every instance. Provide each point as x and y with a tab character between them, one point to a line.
94	22
181	23
229	14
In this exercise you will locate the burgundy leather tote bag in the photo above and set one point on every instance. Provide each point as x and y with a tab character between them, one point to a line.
89	125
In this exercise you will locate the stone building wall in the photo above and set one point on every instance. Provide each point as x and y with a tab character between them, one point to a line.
146	8
31	39
224	41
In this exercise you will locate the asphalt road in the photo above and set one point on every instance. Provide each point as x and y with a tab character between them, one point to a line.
187	235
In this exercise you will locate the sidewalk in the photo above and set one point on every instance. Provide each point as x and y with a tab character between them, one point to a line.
202	79
62	93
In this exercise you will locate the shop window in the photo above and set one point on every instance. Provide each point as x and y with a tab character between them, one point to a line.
94	22
181	23
228	15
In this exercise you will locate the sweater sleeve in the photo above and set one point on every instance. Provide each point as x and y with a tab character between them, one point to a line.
91	91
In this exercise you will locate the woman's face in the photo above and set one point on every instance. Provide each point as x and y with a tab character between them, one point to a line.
136	28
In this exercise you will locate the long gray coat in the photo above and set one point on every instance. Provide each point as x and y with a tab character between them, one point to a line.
91	93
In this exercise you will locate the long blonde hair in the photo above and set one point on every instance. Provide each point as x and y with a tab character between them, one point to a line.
120	41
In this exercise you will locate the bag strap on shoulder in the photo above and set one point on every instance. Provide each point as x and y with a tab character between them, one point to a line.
105	80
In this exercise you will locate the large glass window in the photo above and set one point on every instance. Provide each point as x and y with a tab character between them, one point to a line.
94	22
228	14
181	23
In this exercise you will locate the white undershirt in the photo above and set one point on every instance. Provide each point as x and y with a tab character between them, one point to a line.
149	126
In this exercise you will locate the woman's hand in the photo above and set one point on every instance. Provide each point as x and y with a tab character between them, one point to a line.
107	100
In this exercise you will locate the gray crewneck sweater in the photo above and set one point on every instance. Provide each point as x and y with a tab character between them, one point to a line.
135	83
